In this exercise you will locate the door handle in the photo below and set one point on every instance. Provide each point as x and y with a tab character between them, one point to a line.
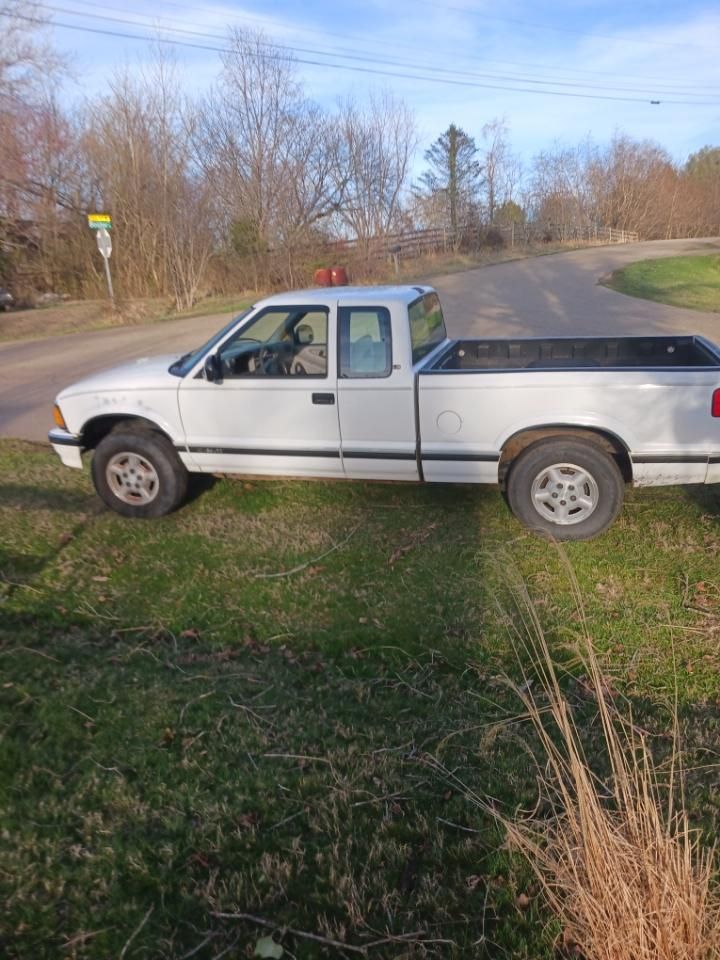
323	398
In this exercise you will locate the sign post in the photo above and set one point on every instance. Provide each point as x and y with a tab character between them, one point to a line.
101	223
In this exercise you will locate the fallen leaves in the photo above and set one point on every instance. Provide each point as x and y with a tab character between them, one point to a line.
420	536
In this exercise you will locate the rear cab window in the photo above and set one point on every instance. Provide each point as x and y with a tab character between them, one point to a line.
427	325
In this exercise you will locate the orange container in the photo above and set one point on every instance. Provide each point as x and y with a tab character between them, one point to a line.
323	277
338	276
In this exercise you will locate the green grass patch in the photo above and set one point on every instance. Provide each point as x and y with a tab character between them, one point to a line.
692	282
231	710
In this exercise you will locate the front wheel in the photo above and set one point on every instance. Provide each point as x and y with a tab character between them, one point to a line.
569	489
137	473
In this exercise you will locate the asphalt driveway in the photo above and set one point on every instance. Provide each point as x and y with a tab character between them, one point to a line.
541	296
560	295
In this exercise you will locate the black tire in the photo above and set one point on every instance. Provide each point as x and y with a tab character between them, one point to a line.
137	473
583	471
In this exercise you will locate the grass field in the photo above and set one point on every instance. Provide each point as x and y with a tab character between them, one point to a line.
680	281
233	709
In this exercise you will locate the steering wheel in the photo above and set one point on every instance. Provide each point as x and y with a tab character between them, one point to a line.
231	355
272	365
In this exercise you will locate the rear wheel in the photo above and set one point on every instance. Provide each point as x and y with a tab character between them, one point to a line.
137	473
569	489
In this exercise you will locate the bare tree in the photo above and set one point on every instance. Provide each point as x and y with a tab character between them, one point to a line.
25	62
265	149
246	126
376	145
634	187
700	192
137	147
560	195
54	196
501	169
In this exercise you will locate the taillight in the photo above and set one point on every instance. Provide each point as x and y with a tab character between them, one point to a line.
715	407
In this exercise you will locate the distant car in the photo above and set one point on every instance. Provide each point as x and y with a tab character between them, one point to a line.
6	299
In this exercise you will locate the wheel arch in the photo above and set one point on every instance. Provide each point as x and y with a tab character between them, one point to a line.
97	428
527	437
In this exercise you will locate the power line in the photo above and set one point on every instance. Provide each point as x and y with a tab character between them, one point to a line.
357	69
382	61
654	92
315	31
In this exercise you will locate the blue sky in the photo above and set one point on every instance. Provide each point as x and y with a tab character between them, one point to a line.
635	51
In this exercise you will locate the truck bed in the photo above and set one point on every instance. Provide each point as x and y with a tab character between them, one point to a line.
571	353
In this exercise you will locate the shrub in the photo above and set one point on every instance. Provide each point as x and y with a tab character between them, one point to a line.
493	238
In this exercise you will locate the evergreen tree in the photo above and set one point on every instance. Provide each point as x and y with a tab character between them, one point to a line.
454	174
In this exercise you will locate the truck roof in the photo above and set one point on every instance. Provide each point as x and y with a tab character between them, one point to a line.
404	293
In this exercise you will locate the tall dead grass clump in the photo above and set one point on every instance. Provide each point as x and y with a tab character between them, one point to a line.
615	855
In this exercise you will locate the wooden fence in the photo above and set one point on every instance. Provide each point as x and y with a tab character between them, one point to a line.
414	243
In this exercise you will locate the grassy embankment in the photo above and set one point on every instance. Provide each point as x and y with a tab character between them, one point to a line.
80	316
692	282
231	710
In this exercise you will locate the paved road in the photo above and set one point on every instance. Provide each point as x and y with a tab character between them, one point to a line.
557	294
560	295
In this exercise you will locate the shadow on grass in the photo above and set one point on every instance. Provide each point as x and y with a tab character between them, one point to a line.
31	496
17	570
705	496
20	566
199	484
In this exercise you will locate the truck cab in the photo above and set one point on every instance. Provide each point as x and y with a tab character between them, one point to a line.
312	383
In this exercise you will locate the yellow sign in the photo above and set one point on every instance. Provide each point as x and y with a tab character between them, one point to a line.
99	221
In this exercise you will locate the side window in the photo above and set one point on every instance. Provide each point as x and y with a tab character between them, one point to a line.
279	342
365	342
427	326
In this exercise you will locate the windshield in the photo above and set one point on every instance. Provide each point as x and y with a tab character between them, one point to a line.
188	360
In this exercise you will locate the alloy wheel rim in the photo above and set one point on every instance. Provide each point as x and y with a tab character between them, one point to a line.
132	478
565	493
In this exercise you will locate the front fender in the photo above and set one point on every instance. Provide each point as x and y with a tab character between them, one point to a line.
84	413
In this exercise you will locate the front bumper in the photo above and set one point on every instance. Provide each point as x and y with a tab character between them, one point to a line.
67	447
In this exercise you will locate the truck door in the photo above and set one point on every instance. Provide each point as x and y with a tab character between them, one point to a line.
376	401
271	408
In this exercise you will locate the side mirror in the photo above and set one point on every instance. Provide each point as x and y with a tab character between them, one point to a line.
213	368
304	334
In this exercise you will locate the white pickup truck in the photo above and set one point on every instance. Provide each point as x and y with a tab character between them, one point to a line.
363	382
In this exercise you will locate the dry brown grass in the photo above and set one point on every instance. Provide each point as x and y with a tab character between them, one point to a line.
615	855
